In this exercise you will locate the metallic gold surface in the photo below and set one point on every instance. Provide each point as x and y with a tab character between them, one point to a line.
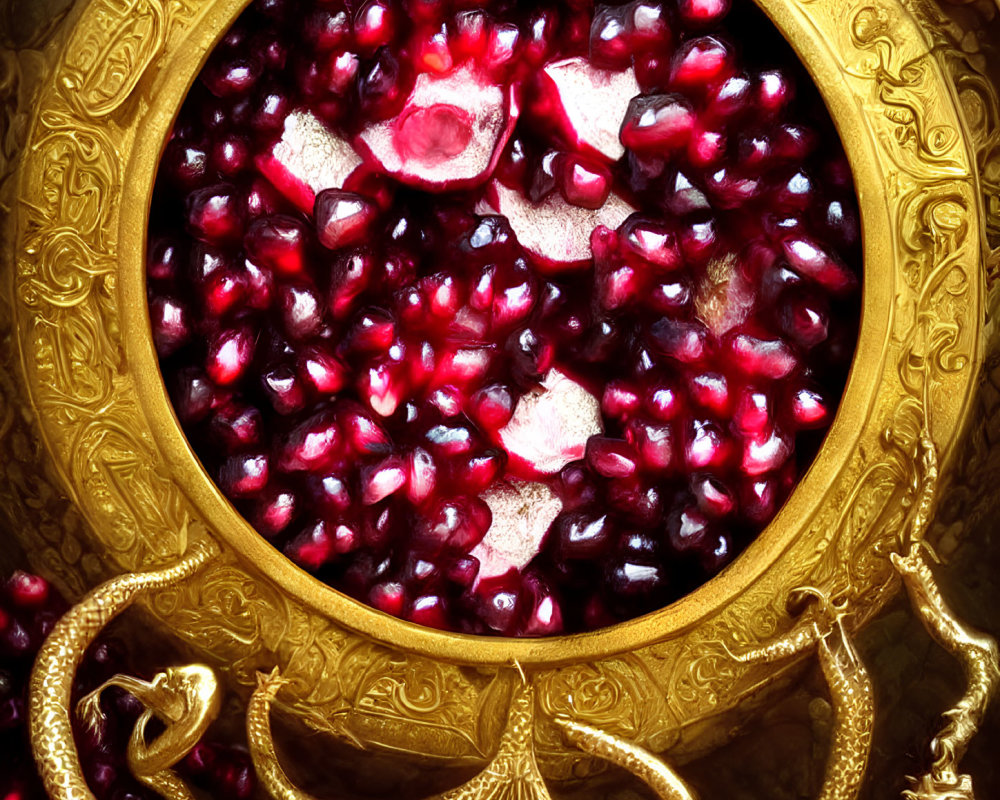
185	699
100	481
52	677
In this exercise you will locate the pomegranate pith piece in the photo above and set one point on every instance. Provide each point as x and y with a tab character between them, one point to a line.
505	319
449	133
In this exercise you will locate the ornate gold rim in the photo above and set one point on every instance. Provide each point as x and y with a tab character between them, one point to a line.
95	388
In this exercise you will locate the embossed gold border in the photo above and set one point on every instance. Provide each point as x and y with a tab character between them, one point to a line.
93	383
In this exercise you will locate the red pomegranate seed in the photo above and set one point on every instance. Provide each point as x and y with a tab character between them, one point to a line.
707	446
375	24
655	444
230	353
382	387
472	33
811	260
301	310
244	475
610	42
214	214
658	123
699	63
313	547
496	601
767	358
710	390
171	324
343	218
380	480
430	611
27	590
612	458
702	13
620	400
277	243
765	452
584	183
586	104
237	425
274	511
683	341
322	370
311	446
389	597
808	408
541	613
283	389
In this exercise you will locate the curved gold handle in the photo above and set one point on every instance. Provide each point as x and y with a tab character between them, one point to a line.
49	724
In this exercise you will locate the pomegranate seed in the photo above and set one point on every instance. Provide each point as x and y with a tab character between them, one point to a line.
431	611
610	43
185	164
812	261
283	389
700	63
274	511
313	547
382	479
767	358
702	13
707	446
808	408
244	475
310	446
652	240
683	341
171	324
584	183
301	310
277	243
27	590
765	452
389	597
214	214
612	458
660	123
237	425
541	614
230	353
322	370
343	218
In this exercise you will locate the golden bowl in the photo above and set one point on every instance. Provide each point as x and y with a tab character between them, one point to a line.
102	482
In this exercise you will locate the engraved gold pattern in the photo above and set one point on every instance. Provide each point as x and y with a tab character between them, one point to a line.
512	773
98	479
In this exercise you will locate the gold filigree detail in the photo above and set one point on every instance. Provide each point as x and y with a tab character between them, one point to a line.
186	699
55	666
512	774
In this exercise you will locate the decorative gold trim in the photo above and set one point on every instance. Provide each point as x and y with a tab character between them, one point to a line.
512	774
51	683
90	425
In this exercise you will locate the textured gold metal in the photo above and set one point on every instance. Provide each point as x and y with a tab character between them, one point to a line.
185	699
978	653
512	773
657	774
52	676
98	479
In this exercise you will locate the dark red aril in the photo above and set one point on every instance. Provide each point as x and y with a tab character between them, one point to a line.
502	320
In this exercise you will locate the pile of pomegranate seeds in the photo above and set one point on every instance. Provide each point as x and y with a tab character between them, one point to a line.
512	318
29	609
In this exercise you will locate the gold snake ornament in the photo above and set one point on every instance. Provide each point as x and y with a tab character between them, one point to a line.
186	699
51	683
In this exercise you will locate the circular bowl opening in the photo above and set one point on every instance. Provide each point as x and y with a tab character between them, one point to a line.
759	555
